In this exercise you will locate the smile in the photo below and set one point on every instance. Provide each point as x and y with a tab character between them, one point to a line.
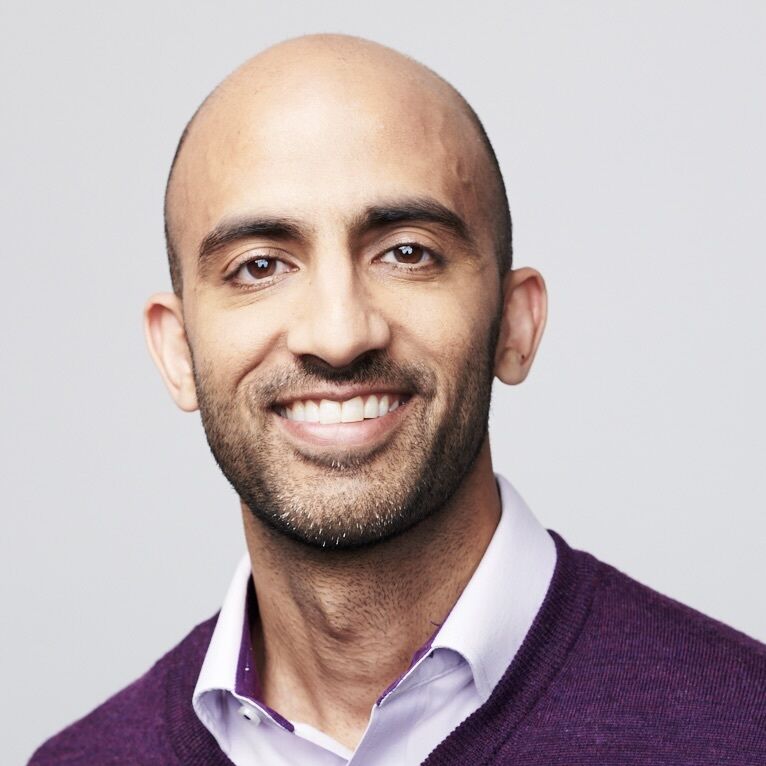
353	418
331	411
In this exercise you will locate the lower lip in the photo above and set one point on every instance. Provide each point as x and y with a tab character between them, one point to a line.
362	433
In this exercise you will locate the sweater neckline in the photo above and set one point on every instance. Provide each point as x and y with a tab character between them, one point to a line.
542	654
540	657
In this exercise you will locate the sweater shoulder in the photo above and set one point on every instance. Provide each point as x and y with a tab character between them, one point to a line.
661	658
643	679
129	727
652	624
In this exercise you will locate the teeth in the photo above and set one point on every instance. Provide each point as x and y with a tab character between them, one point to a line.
311	409
329	411
371	407
352	411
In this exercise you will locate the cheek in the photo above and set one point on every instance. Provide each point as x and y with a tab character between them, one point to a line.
230	342
443	327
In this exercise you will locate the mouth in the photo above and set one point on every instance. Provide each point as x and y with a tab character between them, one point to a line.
341	419
332	411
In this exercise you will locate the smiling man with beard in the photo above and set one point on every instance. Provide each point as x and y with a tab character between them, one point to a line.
340	250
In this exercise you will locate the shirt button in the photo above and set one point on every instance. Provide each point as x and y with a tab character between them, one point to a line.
250	712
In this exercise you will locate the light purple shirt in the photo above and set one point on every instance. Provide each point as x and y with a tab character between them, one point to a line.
450	676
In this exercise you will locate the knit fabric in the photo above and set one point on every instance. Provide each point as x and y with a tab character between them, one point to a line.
611	673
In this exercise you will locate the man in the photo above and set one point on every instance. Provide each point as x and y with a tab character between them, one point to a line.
340	251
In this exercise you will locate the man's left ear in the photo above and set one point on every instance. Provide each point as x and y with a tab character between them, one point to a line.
525	309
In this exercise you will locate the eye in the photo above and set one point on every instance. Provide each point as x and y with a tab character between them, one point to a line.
260	269
408	254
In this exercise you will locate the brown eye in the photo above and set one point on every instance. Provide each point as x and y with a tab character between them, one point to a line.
408	254
261	267
260	270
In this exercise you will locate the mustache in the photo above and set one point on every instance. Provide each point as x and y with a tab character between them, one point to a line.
371	368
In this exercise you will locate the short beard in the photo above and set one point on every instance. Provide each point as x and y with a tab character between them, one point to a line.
350	503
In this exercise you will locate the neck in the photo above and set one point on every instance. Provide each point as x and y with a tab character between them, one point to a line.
335	628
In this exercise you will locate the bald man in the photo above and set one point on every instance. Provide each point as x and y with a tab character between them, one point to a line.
340	254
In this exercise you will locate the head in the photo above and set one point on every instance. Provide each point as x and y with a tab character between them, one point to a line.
339	241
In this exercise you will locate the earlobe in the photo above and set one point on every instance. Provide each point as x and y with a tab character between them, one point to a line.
169	347
525	309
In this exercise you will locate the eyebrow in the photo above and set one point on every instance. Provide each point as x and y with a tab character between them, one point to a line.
415	210
234	230
379	216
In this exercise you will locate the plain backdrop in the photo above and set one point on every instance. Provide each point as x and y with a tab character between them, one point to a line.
631	136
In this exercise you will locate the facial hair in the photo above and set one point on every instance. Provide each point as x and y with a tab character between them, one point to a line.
351	499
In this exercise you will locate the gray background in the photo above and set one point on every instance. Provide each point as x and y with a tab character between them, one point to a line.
631	136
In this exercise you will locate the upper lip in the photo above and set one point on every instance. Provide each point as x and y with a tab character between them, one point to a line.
340	393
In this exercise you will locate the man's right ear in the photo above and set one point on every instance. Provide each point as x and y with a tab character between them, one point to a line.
169	347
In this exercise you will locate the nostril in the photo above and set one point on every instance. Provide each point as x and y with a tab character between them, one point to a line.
337	340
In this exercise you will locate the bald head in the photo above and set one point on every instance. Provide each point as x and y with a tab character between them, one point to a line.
351	96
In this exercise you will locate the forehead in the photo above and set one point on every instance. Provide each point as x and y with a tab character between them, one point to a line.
323	148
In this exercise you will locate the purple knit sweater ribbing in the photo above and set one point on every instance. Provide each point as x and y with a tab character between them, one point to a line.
611	673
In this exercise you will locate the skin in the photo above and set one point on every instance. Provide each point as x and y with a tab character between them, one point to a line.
318	129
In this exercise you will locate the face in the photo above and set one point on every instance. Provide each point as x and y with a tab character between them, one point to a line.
341	304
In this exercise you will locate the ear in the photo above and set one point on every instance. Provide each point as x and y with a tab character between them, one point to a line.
525	308
169	347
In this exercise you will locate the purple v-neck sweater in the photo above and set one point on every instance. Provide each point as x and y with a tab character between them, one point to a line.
611	673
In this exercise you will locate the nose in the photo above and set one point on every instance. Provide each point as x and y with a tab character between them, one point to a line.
338	320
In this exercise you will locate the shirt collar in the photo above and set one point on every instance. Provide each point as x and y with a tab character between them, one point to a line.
486	626
496	609
220	666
